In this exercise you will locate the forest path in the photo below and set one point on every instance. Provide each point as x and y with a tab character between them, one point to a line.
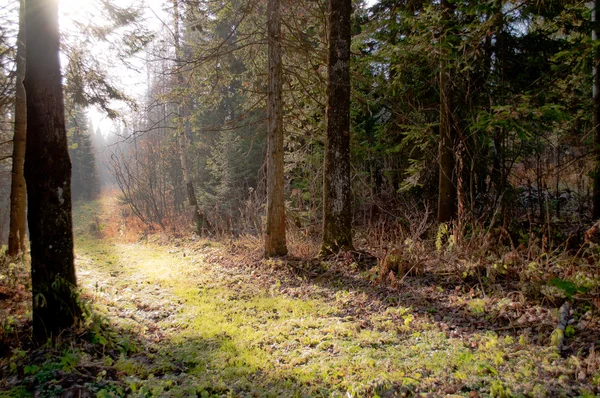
205	322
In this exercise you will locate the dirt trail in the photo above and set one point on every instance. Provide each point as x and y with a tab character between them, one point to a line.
207	322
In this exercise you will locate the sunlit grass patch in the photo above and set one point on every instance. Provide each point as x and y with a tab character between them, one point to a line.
228	339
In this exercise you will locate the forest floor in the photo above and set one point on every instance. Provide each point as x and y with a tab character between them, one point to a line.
195	317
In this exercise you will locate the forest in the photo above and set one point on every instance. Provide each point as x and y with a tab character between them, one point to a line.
299	198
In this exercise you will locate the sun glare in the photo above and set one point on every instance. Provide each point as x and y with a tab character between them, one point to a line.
73	12
75	5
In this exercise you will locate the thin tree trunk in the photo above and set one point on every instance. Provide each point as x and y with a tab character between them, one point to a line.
499	178
275	239
48	177
460	186
200	220
18	195
337	195
447	186
596	115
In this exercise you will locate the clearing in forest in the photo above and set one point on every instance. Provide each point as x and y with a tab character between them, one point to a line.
196	317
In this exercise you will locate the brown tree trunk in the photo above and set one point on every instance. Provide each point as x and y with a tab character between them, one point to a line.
596	115
275	240
447	185
499	173
337	195
18	195
200	220
48	177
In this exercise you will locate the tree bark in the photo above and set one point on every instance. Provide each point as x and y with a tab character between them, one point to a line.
337	195
200	220
499	173
447	185
275	239
18	195
48	177
596	115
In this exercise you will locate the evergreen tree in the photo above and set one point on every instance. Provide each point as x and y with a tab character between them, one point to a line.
48	177
275	240
337	205
448	126
85	182
18	197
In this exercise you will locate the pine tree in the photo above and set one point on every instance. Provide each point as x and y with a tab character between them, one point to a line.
85	182
18	197
48	177
275	242
448	135
337	205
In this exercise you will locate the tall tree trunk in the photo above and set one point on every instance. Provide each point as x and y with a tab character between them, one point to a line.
275	240
447	186
48	177
499	177
596	116
18	195
337	195
200	220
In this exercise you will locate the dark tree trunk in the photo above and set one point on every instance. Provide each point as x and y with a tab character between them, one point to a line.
596	116
448	134
499	178
18	195
48	177
275	240
337	195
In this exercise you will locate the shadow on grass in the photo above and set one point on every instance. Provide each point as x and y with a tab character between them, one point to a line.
426	295
102	361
